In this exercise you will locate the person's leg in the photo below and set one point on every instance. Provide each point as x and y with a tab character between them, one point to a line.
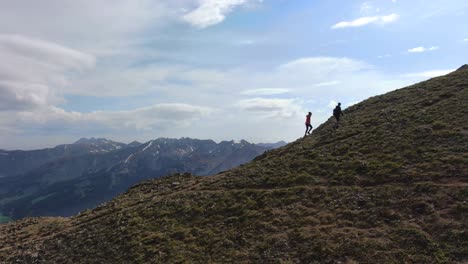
310	129
307	127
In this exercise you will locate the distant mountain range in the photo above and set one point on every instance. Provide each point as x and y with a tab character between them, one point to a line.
66	179
19	162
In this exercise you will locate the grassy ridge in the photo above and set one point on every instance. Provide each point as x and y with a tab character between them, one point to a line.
389	186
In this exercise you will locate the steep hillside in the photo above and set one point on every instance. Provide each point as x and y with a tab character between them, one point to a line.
389	186
70	184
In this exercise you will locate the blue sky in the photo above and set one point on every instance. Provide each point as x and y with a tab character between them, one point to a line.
221	69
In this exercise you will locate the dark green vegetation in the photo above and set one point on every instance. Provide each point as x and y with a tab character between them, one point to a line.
389	186
72	178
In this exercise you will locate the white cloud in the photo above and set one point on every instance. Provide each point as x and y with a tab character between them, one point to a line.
363	21
211	12
389	18
325	84
46	126
90	22
465	40
156	117
384	56
422	49
324	65
47	52
19	96
272	107
34	72
265	91
428	74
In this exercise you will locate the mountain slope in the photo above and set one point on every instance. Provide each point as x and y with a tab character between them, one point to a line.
18	162
68	185
389	186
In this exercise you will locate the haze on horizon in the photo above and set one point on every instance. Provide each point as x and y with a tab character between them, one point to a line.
212	69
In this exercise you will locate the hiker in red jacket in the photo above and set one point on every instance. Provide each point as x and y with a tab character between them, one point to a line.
308	125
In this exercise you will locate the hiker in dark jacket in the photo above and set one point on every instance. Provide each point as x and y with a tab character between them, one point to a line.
337	113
